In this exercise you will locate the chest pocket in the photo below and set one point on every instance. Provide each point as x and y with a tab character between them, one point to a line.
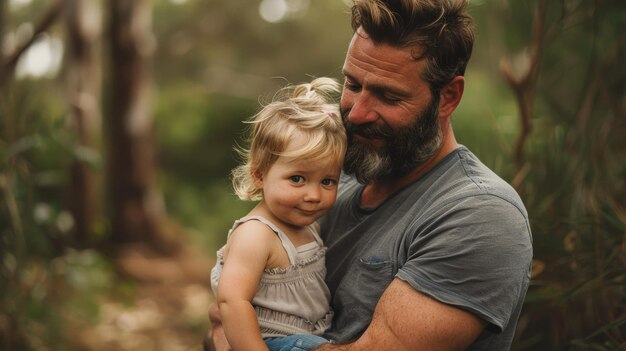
357	296
372	276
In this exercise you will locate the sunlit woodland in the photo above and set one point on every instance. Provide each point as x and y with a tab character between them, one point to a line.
118	121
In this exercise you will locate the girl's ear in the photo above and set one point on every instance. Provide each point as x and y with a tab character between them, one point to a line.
257	178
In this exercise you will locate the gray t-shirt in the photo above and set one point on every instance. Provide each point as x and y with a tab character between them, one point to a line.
459	234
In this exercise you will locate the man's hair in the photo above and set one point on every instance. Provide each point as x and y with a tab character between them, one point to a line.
440	30
305	111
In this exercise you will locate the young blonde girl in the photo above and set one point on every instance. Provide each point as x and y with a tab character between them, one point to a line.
271	292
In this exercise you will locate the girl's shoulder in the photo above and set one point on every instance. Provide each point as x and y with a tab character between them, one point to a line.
257	238
253	230
251	238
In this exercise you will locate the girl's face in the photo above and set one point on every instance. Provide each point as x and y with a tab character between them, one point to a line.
297	192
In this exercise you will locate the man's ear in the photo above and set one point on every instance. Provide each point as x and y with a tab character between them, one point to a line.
450	96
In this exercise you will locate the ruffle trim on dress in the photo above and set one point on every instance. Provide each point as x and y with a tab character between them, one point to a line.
320	254
311	266
220	256
274	323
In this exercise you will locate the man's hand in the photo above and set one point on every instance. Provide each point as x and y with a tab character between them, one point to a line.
215	340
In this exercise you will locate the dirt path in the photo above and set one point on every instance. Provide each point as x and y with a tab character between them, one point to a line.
169	308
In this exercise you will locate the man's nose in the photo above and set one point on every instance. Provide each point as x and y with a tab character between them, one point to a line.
362	110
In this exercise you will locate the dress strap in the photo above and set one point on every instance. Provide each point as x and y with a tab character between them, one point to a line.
292	252
314	228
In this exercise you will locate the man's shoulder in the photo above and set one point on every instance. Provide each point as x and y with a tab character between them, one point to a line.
462	177
492	184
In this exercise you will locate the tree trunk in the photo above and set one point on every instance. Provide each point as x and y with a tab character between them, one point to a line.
137	211
83	88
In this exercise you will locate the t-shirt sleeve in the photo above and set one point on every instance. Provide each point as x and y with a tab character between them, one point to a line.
473	254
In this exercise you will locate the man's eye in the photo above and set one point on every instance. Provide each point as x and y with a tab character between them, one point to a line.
390	99
352	86
296	179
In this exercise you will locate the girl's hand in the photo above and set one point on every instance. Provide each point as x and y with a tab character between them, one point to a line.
215	340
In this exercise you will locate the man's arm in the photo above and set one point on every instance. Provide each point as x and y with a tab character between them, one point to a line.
405	319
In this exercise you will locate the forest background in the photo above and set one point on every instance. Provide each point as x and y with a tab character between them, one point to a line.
117	126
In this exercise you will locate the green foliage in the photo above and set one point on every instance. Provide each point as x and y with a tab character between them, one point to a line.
197	133
35	151
42	300
574	186
486	121
44	286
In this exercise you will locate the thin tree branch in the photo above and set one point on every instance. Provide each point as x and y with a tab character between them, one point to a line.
523	87
49	17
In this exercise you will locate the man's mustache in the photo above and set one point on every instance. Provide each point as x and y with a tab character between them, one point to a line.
369	130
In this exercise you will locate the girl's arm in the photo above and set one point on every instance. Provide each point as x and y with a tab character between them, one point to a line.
249	248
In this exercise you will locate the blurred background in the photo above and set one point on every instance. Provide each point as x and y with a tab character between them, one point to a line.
118	120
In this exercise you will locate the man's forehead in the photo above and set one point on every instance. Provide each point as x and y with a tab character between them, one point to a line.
363	52
413	51
381	64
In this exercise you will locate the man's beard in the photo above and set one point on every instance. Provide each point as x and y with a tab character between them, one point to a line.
404	149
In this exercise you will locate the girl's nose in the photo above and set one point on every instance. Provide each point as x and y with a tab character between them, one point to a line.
312	194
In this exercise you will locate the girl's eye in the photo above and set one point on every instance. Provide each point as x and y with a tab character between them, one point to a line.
329	182
296	179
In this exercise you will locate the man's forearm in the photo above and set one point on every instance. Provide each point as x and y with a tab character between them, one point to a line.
330	347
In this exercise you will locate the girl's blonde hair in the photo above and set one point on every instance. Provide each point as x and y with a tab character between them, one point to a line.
306	111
